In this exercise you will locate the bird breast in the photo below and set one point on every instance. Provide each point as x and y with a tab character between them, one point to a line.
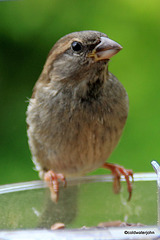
74	136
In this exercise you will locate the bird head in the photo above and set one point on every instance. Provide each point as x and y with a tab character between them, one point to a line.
78	54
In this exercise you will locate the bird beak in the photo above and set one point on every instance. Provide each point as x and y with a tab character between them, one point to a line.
106	49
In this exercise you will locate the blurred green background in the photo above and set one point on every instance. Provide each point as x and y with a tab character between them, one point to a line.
28	30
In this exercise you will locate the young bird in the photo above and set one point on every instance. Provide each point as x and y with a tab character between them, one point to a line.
77	110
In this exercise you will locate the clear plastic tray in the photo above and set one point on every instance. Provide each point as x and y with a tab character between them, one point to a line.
26	208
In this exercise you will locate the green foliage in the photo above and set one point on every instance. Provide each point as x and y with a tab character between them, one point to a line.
28	29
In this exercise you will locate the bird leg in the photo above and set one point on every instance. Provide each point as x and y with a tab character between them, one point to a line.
117	172
52	179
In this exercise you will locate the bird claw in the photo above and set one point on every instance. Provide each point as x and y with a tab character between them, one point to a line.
52	179
117	172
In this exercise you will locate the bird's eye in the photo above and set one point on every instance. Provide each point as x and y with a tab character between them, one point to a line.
76	46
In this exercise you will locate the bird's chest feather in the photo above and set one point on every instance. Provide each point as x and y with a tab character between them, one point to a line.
68	120
69	130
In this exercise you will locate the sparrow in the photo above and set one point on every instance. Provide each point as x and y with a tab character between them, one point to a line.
77	111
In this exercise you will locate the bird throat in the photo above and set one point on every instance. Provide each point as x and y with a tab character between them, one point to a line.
94	87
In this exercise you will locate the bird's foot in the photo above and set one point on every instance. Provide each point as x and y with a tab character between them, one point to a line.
52	180
117	172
